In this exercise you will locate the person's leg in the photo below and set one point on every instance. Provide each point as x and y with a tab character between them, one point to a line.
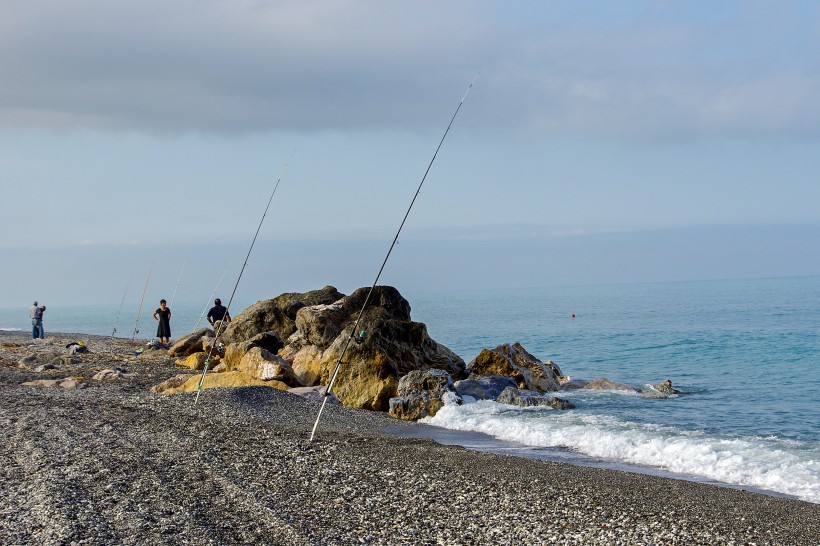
35	331
42	331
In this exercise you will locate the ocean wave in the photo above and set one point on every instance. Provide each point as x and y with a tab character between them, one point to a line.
774	464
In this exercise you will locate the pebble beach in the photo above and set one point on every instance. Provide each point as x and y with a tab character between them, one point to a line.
112	463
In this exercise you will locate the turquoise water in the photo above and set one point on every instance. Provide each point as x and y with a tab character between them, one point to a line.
746	354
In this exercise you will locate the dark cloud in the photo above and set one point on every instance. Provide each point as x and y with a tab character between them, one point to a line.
245	66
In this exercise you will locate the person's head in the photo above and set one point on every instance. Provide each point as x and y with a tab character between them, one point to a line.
35	304
218	301
162	303
43	308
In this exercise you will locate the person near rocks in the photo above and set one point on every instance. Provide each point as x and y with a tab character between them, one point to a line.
163	317
218	312
36	314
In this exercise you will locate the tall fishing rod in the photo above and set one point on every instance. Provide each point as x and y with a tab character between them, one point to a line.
221	326
207	303
384	263
178	280
139	310
117	319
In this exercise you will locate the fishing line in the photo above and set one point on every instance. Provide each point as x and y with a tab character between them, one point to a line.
207	303
355	329
137	320
117	319
178	280
221	326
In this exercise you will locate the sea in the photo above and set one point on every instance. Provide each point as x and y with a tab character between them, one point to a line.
744	353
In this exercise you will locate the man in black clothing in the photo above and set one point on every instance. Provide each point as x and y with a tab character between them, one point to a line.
218	312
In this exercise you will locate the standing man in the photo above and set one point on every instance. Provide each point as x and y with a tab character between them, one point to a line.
36	315
218	312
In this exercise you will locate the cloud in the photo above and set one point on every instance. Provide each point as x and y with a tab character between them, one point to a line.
233	66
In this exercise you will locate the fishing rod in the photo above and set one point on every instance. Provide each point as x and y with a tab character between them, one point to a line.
221	327
207	303
178	280
139	309
384	263
117	319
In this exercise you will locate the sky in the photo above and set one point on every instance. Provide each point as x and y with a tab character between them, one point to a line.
602	142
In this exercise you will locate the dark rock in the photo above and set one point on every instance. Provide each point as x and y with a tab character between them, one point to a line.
559	403
485	388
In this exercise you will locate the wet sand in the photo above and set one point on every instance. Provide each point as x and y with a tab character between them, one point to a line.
115	464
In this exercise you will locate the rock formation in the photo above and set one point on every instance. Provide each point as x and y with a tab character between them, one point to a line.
515	362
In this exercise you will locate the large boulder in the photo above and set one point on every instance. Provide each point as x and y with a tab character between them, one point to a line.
235	352
190	343
386	346
515	362
422	393
261	364
277	315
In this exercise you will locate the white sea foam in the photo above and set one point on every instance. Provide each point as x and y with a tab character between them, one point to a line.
774	464
11	329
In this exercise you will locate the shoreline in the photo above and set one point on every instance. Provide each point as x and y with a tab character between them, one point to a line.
116	464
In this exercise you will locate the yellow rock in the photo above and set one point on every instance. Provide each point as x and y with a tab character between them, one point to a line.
216	381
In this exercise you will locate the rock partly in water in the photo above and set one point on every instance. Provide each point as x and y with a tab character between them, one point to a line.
527	398
666	387
600	384
421	393
484	388
515	362
277	315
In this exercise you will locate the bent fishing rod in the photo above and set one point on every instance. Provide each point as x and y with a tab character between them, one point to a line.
355	328
221	327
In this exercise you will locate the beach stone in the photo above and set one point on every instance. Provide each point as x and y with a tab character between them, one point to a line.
190	343
314	394
515	362
45	367
277	315
111	374
47	358
421	393
188	383
485	388
261	364
68	383
527	398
